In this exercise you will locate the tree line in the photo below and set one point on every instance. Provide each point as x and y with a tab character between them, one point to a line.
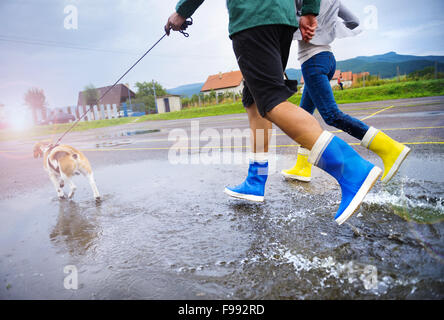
36	100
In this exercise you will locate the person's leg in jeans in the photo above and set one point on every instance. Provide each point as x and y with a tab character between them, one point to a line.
262	53
317	72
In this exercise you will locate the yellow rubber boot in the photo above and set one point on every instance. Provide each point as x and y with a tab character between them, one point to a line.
391	152
302	170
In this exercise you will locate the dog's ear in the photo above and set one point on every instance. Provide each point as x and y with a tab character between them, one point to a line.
38	150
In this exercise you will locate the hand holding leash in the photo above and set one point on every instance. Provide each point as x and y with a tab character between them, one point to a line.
178	23
184	26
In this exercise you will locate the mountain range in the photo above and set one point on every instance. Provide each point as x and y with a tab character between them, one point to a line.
384	65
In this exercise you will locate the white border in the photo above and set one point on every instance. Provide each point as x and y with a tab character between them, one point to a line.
369	136
304	152
360	195
249	197
396	164
319	147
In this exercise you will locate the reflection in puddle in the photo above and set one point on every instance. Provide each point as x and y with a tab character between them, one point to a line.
121	142
136	132
115	143
76	228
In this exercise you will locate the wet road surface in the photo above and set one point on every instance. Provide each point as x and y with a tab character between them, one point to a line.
167	231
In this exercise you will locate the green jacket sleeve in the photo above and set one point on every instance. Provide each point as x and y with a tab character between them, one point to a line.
310	7
186	8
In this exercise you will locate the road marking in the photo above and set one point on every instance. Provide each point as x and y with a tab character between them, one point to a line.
237	147
220	147
284	134
358	143
374	114
278	134
399	129
347	108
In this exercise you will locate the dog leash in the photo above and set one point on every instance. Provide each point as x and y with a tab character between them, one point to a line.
188	22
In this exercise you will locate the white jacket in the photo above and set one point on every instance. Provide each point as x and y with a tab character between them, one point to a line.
329	26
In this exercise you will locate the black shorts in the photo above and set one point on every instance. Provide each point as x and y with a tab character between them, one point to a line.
262	54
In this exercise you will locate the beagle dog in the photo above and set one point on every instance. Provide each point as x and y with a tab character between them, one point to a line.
62	162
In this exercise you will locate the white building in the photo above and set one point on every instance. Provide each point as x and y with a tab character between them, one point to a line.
168	103
231	82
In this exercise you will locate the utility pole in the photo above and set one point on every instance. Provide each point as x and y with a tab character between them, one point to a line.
363	79
397	72
129	96
155	98
436	69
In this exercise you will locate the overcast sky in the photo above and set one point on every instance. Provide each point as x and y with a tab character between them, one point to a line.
36	50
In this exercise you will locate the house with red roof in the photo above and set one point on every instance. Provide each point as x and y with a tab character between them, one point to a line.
231	82
347	78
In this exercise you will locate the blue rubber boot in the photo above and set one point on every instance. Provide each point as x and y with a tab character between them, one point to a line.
355	175
253	188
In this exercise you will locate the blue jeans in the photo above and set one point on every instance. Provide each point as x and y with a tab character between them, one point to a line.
317	72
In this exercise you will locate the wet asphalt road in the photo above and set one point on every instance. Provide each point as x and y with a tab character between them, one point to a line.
167	231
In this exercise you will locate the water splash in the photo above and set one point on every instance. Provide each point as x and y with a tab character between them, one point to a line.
417	204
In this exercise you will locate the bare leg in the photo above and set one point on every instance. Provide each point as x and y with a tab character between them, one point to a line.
260	130
297	123
253	188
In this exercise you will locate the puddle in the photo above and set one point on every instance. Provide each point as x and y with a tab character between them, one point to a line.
121	142
154	239
418	209
116	143
127	133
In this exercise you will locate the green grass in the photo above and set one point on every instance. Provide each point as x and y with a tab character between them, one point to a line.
216	110
392	91
401	90
411	89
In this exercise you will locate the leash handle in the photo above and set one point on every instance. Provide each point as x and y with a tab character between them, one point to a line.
188	22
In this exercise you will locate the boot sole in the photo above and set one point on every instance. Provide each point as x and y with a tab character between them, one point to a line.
249	197
295	177
394	169
368	184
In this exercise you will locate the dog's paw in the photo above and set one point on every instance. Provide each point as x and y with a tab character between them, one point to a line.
62	184
61	194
